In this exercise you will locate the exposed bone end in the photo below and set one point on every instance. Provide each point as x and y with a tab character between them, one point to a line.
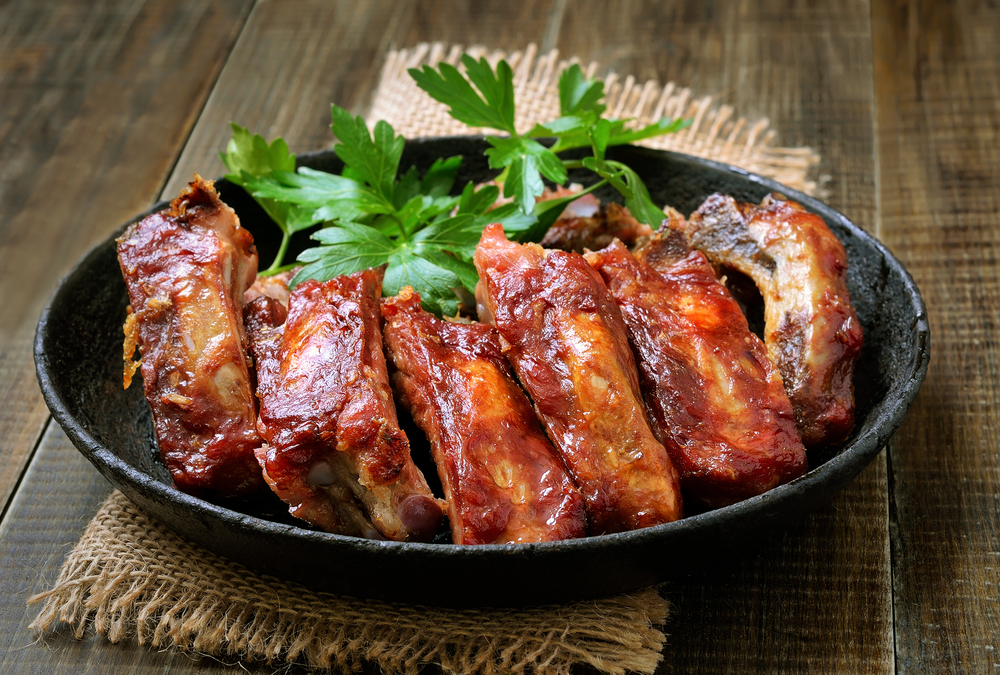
422	516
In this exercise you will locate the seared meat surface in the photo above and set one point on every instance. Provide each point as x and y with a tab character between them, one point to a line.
275	286
715	399
503	480
186	269
567	342
335	452
585	224
811	331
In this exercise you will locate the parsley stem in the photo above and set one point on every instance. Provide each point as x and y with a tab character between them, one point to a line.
278	270
275	267
404	236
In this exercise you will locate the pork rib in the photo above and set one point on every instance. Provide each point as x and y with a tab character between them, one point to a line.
715	399
186	269
335	452
567	342
585	224
503	480
811	331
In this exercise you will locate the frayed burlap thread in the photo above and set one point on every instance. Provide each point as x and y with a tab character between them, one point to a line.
132	577
716	132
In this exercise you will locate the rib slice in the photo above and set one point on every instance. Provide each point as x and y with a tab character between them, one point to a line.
274	286
186	269
585	224
335	452
715	399
811	331
566	340
503	480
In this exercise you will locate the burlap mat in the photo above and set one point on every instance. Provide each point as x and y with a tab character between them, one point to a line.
131	577
715	132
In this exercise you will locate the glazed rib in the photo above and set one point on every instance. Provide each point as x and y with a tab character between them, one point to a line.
186	269
585	224
503	480
566	340
715	399
274	286
811	331
335	452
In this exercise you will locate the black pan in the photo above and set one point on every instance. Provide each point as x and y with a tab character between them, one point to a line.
78	356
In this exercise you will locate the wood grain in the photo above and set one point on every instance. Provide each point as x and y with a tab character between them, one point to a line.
937	82
817	598
297	57
61	492
97	99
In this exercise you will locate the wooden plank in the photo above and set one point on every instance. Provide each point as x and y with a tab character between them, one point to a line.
297	57
60	493
817	599
97	100
937	83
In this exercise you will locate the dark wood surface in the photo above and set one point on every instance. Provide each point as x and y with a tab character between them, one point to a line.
937	80
106	106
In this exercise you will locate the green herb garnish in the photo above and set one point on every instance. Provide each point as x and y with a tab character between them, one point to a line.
249	156
524	160
412	224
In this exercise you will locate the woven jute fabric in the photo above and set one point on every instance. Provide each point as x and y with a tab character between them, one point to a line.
130	577
716	132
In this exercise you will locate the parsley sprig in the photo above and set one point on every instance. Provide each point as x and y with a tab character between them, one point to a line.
523	159
249	156
413	225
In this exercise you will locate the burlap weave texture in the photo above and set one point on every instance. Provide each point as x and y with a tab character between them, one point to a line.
130	577
716	132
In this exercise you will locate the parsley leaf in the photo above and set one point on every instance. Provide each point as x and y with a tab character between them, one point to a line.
434	282
440	178
578	94
514	221
463	270
338	197
373	157
348	248
405	224
506	151
457	235
249	158
492	106
628	183
664	126
525	161
477	201
250	153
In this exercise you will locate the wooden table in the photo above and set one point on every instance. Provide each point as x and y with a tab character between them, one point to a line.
107	106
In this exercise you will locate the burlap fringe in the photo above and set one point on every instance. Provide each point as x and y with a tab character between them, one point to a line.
714	133
130	576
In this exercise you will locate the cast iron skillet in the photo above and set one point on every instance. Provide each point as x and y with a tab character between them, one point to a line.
78	356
